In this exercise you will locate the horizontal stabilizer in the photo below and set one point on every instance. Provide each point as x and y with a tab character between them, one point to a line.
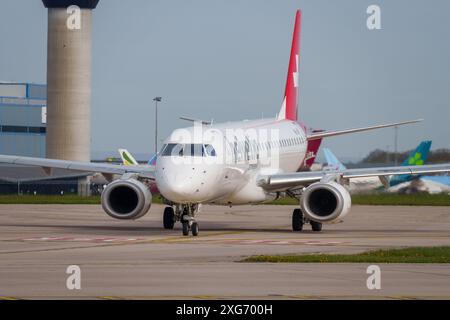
325	134
195	120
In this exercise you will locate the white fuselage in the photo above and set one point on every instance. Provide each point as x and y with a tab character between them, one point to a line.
220	163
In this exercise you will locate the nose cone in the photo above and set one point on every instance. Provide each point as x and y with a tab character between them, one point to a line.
177	187
182	183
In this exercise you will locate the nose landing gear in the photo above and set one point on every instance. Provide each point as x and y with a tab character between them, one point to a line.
185	214
189	224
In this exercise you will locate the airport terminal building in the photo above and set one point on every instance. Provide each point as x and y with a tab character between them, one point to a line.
23	122
23	108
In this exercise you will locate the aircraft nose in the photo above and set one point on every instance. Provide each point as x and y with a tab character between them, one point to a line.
177	186
191	184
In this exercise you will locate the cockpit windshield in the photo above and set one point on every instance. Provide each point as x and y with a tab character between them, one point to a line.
188	150
210	150
172	149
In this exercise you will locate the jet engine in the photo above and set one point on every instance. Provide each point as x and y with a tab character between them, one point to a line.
325	202
126	199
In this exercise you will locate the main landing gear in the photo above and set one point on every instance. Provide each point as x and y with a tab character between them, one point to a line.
298	220
168	218
185	214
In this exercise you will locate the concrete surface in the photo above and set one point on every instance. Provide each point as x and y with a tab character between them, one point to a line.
138	259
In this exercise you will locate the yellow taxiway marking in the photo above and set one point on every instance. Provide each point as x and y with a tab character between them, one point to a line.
8	298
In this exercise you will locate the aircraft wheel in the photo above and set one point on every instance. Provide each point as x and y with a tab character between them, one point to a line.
168	218
194	229
185	225
316	226
297	220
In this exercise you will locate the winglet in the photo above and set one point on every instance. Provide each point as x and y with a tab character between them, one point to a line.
289	107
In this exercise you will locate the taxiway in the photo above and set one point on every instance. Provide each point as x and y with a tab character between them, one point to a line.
139	259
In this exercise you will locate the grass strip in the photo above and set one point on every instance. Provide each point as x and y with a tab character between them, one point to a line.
406	255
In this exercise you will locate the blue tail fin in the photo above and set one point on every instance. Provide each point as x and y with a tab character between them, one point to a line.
152	161
332	161
419	156
416	158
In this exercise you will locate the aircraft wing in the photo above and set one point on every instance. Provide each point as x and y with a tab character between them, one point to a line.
104	168
286	181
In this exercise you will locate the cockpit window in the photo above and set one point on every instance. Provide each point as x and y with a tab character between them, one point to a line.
196	150
210	150
173	149
193	150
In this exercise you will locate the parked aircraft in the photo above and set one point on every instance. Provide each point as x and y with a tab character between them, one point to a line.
416	158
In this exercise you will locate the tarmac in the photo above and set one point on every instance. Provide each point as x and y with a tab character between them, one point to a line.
140	260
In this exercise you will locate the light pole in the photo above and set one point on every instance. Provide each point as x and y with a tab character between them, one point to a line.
387	155
156	99
395	144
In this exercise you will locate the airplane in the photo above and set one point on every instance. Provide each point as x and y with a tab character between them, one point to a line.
417	157
425	183
235	163
129	160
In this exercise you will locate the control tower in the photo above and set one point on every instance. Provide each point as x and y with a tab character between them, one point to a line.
69	81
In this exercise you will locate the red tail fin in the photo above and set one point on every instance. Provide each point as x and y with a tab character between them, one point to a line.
289	107
311	152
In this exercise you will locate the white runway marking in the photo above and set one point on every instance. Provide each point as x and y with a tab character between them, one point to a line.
260	241
84	239
181	240
286	242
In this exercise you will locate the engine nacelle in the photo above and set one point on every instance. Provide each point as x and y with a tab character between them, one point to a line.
325	202
126	199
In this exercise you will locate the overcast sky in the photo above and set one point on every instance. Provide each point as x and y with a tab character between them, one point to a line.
227	60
